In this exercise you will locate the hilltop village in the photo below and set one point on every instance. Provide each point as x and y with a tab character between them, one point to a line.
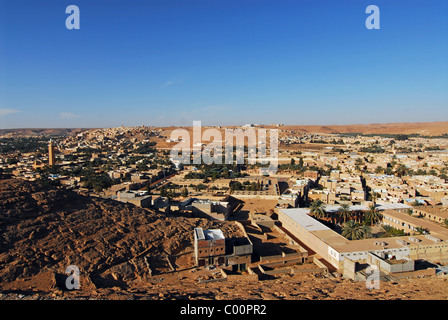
338	203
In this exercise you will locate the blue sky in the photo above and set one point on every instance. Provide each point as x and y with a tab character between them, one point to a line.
224	62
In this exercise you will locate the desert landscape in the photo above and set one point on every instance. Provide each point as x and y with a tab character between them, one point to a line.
208	153
422	128
45	229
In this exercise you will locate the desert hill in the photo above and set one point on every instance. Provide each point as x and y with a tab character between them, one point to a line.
40	131
43	230
422	128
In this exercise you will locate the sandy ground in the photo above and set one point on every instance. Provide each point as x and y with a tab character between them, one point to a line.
184	285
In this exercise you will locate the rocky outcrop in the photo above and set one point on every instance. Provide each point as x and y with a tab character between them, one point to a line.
46	229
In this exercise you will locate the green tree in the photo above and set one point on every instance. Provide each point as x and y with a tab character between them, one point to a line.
184	192
367	231
445	222
96	181
163	192
379	169
317	209
344	212
375	196
421	230
235	186
416	203
373	215
142	167
352	230
401	170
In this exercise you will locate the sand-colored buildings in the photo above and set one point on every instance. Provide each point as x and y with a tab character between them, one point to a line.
334	248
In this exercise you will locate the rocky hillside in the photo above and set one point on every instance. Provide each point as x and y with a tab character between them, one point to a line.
43	230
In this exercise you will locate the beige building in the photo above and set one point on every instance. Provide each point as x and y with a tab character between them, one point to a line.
327	197
334	248
138	198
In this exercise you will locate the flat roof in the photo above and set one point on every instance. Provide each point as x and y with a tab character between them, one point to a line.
300	215
392	206
342	244
213	234
336	207
433	227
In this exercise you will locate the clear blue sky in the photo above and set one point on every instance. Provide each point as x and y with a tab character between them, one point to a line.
169	62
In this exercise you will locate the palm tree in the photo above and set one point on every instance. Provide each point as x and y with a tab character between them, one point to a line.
367	231
379	169
421	230
317	209
344	212
401	170
361	216
375	196
373	215
416	203
352	230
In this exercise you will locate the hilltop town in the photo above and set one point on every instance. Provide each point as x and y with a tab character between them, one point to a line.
338	203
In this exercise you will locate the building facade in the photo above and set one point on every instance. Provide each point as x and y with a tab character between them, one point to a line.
334	248
212	248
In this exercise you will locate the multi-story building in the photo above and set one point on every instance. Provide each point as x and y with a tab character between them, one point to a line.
209	247
212	248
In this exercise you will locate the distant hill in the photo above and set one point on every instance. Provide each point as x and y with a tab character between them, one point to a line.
40	131
422	128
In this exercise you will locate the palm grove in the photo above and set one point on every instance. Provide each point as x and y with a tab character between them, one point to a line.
355	225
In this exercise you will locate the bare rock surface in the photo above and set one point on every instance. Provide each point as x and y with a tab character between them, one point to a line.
47	229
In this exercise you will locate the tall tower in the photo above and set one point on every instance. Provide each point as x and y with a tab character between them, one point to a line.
51	156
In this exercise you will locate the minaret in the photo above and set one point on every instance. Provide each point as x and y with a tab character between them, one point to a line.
51	156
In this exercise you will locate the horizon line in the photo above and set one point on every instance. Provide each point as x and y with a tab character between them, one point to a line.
233	125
